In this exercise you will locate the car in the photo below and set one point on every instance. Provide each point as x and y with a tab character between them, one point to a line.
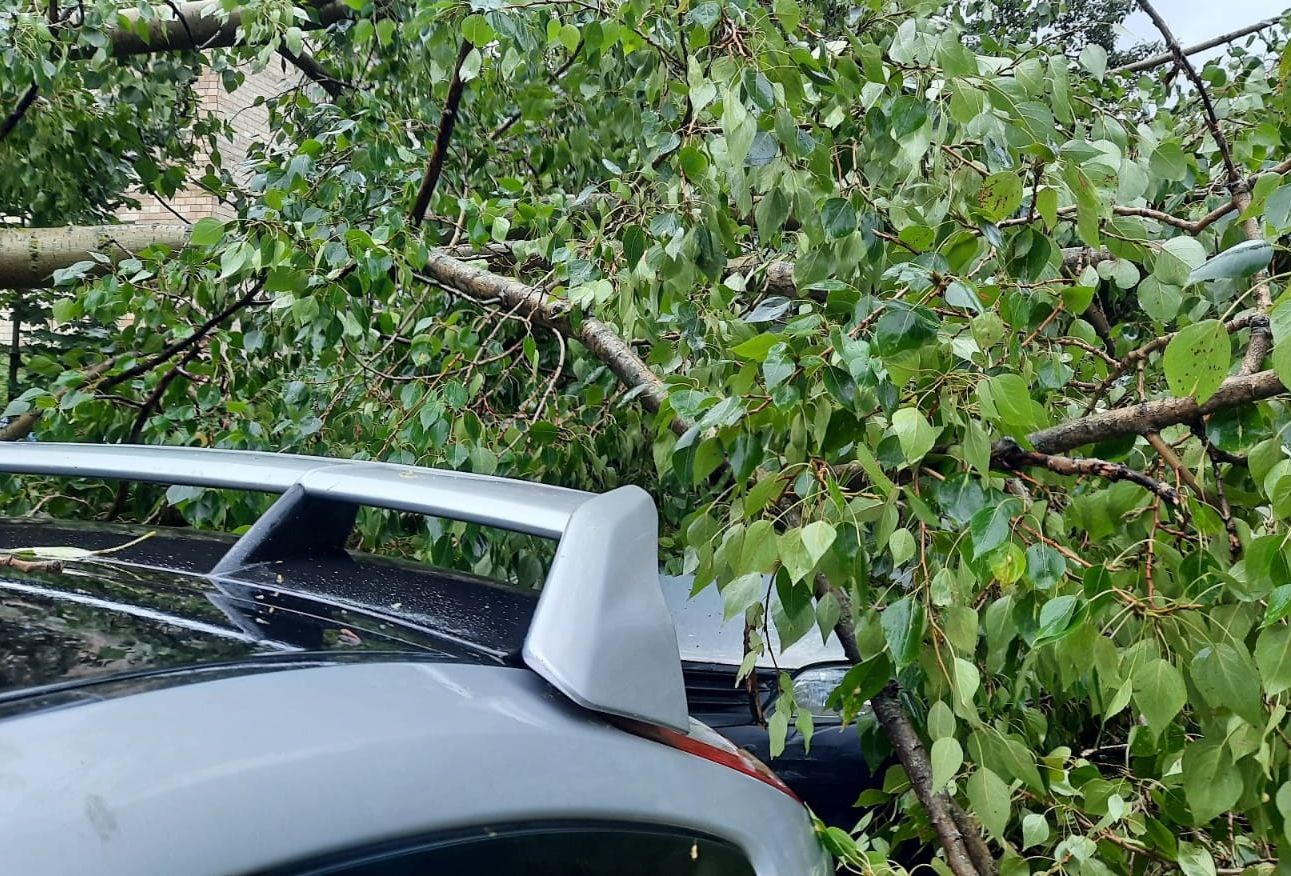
182	702
828	771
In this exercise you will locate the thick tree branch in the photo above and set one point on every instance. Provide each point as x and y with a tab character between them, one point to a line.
29	256
447	121
1152	61
1152	416
24	103
1139	354
308	64
534	304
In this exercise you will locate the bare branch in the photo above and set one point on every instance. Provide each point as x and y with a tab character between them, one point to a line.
1009	456
308	64
1236	181
24	103
447	121
1165	57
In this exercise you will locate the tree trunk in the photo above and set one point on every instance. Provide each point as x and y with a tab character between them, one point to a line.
29	256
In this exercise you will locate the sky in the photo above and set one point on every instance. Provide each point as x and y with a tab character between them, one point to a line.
1194	21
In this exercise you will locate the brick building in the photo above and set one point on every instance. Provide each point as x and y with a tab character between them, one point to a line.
250	124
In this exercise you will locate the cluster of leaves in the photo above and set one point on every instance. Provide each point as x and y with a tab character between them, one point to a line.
860	255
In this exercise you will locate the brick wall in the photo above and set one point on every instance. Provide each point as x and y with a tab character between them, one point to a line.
250	124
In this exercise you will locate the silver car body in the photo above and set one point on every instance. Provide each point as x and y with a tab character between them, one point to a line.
242	773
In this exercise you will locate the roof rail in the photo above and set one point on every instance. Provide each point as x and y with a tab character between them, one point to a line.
601	633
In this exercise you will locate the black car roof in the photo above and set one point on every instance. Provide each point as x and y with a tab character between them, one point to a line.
151	607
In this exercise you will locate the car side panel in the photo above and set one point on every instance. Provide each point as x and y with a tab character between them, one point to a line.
239	774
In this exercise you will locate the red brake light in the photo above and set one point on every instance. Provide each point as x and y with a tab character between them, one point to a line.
714	748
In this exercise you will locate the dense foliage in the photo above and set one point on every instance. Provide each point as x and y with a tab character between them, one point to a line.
876	273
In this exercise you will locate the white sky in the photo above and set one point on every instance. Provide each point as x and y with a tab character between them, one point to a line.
1194	21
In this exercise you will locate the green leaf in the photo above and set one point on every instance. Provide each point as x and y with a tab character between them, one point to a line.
941	720
914	432
1211	782
989	800
1176	258
1000	195
1035	830
902	623
1045	566
1194	860
207	231
634	244
1094	59
801	549
1279	605
757	347
947	756
901	546
838	216
1240	260
1196	360
1011	399
1273	657
1046	204
990	526
904	328
778	730
741	593
1159	693
1169	162
476	29
1087	205
1226	677
1058	619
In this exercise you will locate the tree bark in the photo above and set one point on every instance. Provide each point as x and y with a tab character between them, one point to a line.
1152	416
447	121
534	304
29	256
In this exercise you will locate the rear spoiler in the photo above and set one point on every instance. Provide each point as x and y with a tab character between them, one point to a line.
601	633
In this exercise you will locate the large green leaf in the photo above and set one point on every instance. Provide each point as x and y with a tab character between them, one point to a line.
1197	359
1226	676
1210	780
990	800
1273	657
1159	692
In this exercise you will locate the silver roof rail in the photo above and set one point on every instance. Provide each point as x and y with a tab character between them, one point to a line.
601	633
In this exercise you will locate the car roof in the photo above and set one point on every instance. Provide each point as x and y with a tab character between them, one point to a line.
147	609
